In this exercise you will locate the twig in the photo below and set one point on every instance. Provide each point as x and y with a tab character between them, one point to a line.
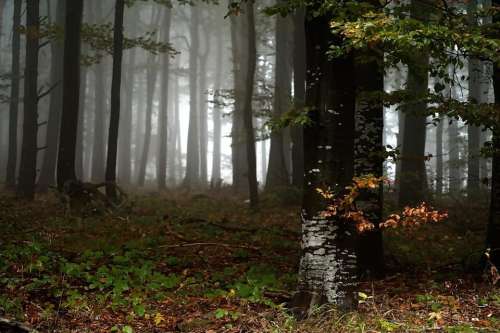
248	247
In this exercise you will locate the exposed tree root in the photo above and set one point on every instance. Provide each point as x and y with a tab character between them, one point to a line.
10	326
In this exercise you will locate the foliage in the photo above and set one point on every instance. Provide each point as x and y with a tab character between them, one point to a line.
343	204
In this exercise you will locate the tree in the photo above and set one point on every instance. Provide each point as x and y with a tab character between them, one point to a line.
299	87
493	233
48	171
413	181
71	94
327	272
192	178
115	99
14	96
216	156
29	150
248	113
163	116
277	173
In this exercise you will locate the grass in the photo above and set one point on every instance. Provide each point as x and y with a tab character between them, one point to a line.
125	272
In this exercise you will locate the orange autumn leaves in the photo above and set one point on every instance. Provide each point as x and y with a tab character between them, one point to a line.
346	207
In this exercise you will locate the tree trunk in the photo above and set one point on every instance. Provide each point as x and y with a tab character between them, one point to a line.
80	138
115	99
71	90
163	114
299	88
216	155
413	180
125	139
327	272
369	151
27	168
239	59
204	109
439	156
277	173
14	97
192	178
493	234
48	172
248	112
454	157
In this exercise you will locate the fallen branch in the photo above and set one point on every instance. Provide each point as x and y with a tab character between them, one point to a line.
247	247
10	326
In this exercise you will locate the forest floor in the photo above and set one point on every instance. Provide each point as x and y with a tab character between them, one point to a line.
178	262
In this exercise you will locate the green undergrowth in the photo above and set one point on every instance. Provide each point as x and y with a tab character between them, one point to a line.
200	262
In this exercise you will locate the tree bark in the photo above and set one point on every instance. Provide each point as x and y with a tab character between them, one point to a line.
192	178
163	114
493	233
216	155
14	97
115	99
277	173
71	90
327	272
204	110
455	179
413	180
299	88
439	156
29	151
248	112
80	138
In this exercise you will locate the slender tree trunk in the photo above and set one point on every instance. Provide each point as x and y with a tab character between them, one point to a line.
163	115
454	157
115	99
299	88
151	87
248	112
327	272
413	180
192	178
81	126
439	156
48	171
174	160
14	97
493	233
125	139
369	151
204	109
238	150
71	90
216	156
277	173
27	168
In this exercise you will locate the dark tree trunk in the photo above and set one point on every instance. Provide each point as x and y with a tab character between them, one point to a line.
413	180
80	138
115	99
277	173
454	157
192	178
369	151
327	271
299	88
71	90
27	168
216	155
239	59
248	112
204	110
163	116
14	97
439	156
48	172
493	234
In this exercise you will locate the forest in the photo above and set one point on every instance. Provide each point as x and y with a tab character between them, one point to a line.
249	166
